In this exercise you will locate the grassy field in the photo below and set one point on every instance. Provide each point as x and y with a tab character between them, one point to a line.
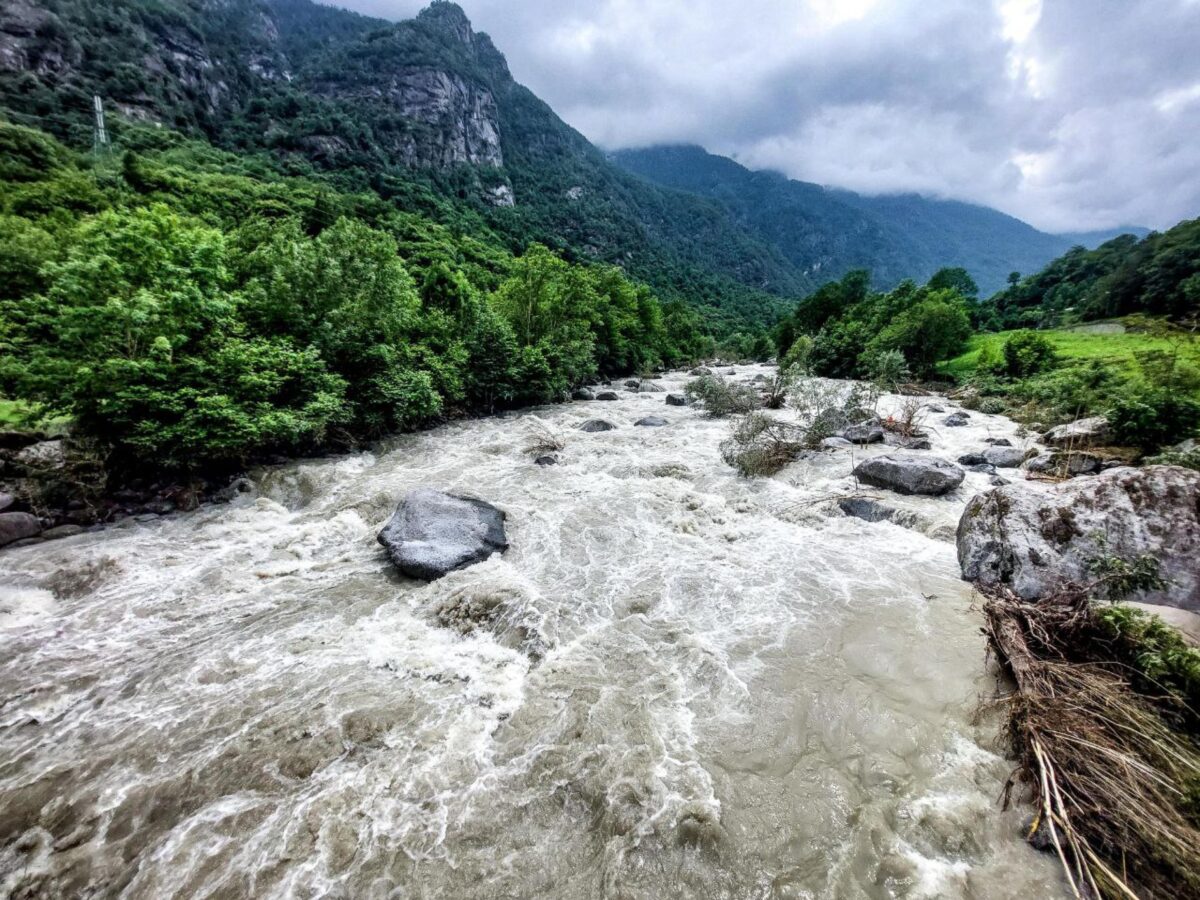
1116	349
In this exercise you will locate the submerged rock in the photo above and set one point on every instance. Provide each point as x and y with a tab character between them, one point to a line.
432	533
1035	542
909	474
546	461
835	443
651	387
956	420
700	370
582	394
17	526
652	422
592	426
608	395
676	400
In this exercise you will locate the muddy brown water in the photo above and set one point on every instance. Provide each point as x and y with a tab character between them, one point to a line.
676	684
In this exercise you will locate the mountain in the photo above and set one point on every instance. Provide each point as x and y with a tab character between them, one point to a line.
424	111
826	232
1093	239
426	114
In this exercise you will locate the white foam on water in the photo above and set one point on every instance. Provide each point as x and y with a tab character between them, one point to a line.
676	683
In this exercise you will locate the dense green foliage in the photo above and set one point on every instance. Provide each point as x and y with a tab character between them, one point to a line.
299	84
1157	275
191	309
845	328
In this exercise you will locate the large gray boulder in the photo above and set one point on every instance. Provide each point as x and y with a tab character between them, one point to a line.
652	422
1004	457
1080	433
608	395
16	526
651	387
1035	542
909	473
676	400
594	426
582	394
432	533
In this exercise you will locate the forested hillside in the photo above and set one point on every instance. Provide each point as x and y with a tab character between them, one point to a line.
1158	275
826	233
423	112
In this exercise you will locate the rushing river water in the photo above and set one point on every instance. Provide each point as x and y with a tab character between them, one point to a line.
677	683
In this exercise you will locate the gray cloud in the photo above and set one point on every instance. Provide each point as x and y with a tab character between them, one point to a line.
1070	114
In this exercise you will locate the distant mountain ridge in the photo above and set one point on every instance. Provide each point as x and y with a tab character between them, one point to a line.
426	113
826	232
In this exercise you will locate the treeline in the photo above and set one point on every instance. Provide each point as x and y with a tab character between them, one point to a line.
1158	275
846	330
189	309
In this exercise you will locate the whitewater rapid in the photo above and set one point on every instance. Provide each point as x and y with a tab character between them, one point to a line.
677	683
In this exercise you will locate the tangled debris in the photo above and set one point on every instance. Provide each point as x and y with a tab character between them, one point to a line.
1109	754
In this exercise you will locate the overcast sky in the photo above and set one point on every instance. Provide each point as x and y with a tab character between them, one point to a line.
1071	114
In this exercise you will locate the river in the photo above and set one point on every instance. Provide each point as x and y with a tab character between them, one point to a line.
677	683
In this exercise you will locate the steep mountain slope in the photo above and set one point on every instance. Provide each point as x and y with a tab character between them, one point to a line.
828	232
424	110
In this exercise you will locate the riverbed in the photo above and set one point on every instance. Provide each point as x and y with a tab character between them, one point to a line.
677	683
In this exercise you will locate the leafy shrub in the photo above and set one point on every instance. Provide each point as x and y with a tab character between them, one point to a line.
992	406
1027	353
760	445
720	397
1188	459
1151	417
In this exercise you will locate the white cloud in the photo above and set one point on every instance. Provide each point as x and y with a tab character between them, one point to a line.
1070	114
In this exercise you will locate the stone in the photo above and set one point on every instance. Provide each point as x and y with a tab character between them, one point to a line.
866	509
62	531
582	394
835	443
1004	457
432	533
608	395
936	408
1080	433
1057	462
43	456
917	444
906	473
998	442
869	432
592	426
546	461
956	419
633	384
1034	542
700	370
6	500
997	481
651	387
17	526
985	468
972	459
676	400
652	422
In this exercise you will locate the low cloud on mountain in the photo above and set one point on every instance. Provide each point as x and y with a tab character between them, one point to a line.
1072	114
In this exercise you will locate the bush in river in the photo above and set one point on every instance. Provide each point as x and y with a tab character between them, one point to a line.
720	397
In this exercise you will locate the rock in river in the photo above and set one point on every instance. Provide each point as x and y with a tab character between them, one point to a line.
907	473
676	400
956	419
1080	433
432	533
652	422
869	432
16	526
1035	542
591	426
1004	457
582	394
608	395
